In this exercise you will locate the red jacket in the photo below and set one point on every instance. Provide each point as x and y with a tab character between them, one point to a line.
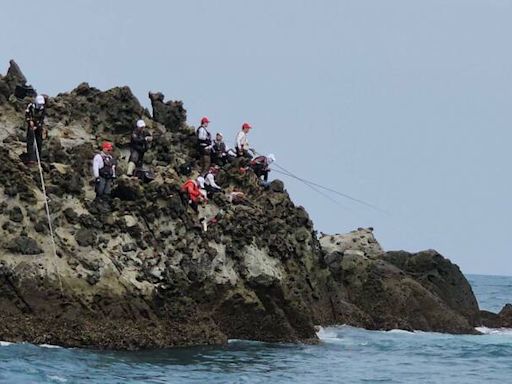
191	187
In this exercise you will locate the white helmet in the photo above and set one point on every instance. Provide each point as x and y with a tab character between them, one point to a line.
200	181
39	100
141	123
271	158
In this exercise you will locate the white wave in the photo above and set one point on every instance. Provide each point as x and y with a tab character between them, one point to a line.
495	331
48	346
401	331
58	379
4	343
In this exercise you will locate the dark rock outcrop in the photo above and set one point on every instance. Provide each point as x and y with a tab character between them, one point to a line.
171	113
137	271
503	319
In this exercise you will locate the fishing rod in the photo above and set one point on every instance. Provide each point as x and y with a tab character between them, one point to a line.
312	187
309	183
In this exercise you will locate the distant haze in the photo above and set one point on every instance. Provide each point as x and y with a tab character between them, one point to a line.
404	104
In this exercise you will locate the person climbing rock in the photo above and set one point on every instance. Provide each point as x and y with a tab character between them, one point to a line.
104	170
34	116
260	166
204	144
138	146
241	142
210	185
219	154
192	193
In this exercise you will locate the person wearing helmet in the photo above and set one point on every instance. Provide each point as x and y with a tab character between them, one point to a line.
204	144
241	142
261	166
219	154
104	170
34	116
210	185
139	144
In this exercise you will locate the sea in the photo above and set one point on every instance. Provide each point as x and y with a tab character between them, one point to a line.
345	355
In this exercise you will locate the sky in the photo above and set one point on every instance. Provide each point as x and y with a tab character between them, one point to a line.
403	104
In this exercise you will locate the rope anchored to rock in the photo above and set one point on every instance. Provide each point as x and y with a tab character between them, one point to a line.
50	226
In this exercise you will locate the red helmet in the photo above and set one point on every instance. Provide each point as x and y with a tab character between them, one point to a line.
107	146
246	125
205	120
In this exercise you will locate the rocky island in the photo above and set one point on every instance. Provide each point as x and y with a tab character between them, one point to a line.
135	272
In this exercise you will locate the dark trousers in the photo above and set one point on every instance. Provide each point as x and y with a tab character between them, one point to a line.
205	159
261	171
187	201
32	135
136	157
103	187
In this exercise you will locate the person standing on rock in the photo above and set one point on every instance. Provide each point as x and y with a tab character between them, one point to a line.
219	151
241	142
204	144
260	166
104	170
138	146
34	115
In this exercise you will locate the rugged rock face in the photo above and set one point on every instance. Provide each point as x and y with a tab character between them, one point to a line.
136	271
421	291
503	319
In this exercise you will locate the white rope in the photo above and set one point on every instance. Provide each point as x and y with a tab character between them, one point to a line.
54	247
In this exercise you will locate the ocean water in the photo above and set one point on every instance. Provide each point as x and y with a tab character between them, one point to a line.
345	355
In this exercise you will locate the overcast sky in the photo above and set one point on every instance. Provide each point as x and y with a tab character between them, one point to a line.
405	104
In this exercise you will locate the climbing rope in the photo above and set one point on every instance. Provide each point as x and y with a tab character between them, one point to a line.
316	187
52	237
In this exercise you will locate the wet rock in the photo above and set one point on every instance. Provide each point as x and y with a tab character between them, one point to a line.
16	215
85	237
127	189
71	215
41	227
24	245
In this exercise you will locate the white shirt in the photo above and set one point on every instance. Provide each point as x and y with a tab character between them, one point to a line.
210	180
202	133
97	164
241	141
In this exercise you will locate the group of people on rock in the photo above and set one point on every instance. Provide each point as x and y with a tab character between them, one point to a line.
212	155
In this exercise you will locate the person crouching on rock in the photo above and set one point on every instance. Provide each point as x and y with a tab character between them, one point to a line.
204	144
210	185
34	115
260	166
104	170
192	193
138	146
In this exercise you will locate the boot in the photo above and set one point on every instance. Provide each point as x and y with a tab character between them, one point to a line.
131	168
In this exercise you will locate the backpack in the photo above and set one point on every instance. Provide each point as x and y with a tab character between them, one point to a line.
185	169
144	175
